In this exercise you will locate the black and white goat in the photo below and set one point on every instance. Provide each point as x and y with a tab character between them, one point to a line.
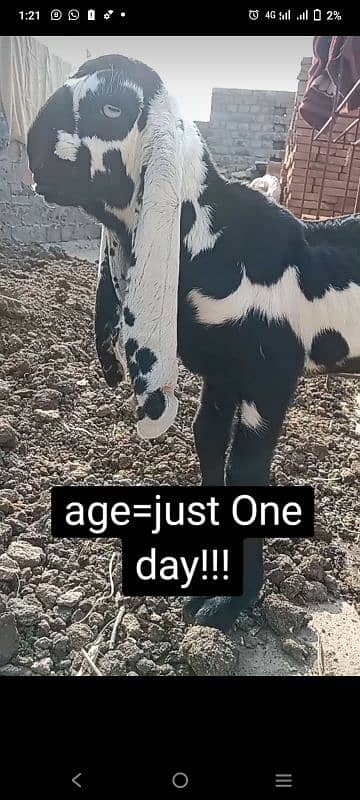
258	295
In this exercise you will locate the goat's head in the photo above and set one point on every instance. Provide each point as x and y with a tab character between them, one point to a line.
82	145
111	141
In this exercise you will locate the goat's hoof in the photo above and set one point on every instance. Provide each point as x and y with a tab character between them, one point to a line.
191	606
222	612
219	612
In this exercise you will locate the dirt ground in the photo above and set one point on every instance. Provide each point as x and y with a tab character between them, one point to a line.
61	607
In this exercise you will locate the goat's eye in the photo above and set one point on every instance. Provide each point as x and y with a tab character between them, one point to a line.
112	112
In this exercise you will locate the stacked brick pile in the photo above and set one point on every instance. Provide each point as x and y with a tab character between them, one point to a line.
312	183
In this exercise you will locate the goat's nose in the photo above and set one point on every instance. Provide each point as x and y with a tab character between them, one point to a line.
39	174
35	157
36	165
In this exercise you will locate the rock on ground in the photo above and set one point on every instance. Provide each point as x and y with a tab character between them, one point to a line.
208	651
284	617
9	638
25	554
8	437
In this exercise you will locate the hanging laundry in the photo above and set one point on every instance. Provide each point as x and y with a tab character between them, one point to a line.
335	69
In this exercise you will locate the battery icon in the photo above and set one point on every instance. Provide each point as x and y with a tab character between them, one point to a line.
317	15
91	14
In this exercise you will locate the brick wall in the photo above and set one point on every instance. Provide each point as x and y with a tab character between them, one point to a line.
24	216
312	184
247	126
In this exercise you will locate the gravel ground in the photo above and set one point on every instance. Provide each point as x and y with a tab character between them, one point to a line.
61	601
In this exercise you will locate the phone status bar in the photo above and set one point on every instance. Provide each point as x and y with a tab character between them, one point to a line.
124	20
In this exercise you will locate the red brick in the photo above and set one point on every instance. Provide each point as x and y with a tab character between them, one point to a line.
335	160
338	152
316	170
329	176
331	184
300	123
299	172
303	137
302	148
294	205
301	162
296	194
310	205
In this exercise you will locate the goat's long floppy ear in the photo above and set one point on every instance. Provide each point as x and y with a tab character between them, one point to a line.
111	288
150	319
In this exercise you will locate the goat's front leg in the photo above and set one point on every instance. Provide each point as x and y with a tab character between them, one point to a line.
212	429
256	433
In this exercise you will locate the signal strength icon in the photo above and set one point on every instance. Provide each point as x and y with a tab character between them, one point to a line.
285	16
108	13
303	17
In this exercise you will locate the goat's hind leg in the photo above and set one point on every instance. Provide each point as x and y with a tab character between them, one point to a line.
257	429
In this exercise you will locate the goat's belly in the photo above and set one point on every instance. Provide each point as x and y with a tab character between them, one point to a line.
204	350
231	351
196	350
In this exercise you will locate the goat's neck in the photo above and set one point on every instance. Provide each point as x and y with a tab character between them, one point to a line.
199	172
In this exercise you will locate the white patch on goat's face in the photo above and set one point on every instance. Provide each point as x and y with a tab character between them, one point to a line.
128	147
67	145
80	88
98	149
251	418
284	301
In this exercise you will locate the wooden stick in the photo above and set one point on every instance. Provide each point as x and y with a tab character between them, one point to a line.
12	300
91	663
118	620
320	656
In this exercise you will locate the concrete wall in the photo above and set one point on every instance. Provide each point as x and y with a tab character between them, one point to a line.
24	216
247	125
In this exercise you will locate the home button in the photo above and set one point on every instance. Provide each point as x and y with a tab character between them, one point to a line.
180	780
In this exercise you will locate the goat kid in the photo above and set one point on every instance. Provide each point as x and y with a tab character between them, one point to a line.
260	295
